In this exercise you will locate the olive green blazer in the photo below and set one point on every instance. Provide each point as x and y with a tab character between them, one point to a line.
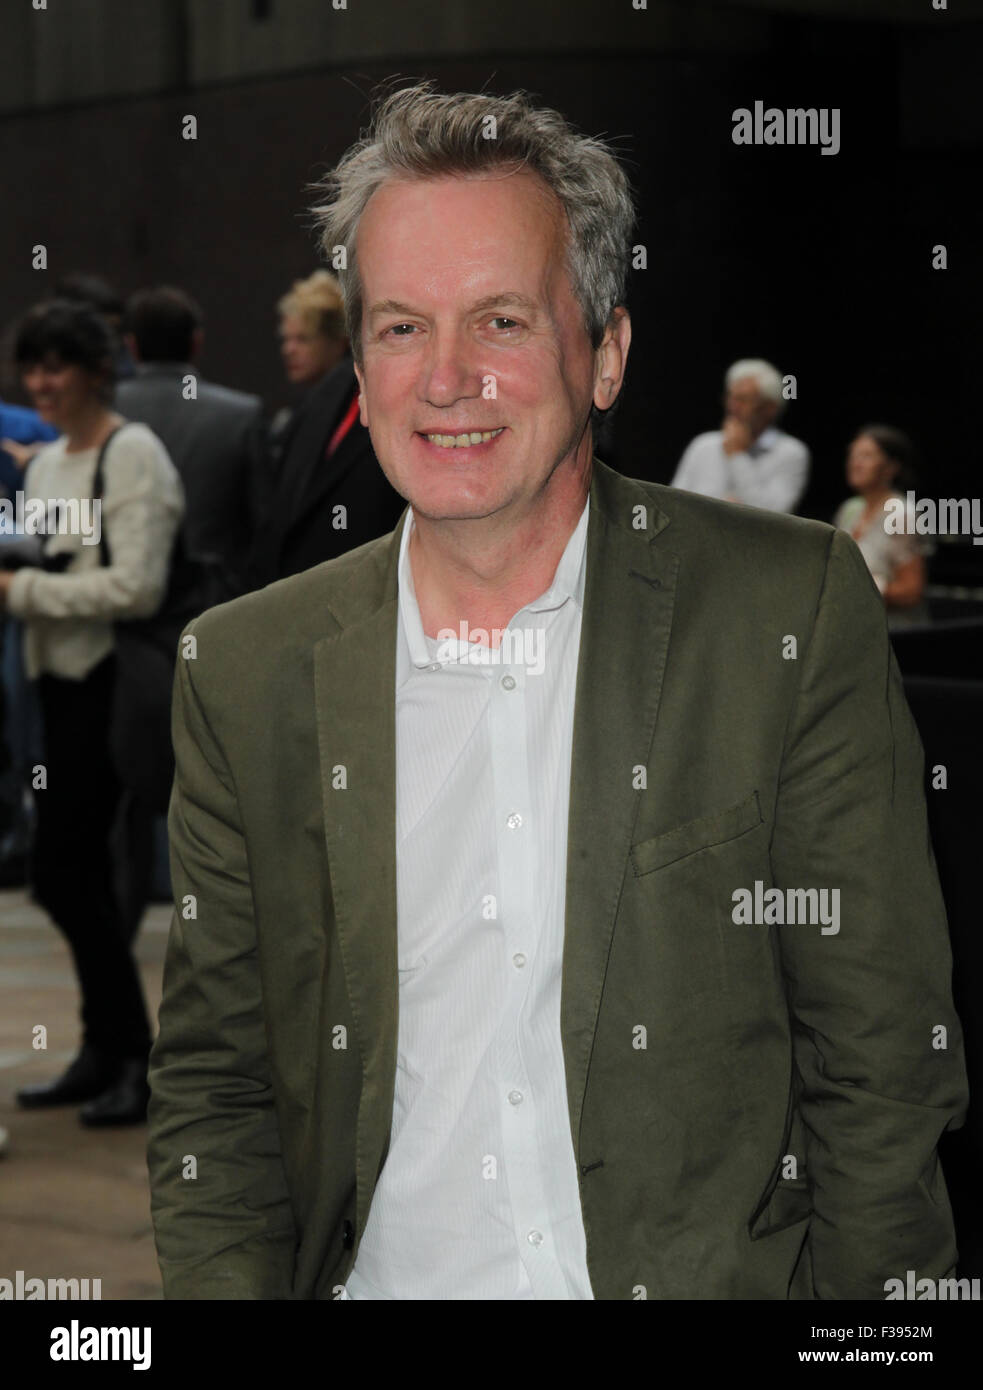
754	1108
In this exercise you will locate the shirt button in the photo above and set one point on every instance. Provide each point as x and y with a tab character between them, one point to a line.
518	960
535	1237
514	821
508	682
515	1097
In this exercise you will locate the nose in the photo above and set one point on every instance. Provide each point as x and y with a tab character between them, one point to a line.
451	371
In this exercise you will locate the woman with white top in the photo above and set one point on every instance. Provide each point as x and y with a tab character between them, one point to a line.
66	353
879	462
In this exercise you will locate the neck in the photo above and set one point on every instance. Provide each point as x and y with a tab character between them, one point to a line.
88	427
483	571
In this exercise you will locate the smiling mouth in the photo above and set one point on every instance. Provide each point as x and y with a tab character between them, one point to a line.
463	441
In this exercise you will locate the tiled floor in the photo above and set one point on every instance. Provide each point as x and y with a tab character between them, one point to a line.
74	1203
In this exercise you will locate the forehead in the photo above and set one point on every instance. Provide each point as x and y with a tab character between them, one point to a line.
744	386
444	235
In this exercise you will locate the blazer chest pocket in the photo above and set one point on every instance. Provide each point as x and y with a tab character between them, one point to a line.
695	835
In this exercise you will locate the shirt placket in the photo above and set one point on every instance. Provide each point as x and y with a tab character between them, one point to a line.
519	902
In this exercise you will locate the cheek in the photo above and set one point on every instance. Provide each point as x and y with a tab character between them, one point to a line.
539	379
390	389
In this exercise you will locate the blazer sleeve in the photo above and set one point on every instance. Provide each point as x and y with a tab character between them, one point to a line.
222	1217
877	1043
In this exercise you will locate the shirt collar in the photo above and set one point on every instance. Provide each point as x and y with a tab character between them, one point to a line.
568	583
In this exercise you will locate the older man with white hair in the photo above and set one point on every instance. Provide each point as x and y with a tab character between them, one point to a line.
748	460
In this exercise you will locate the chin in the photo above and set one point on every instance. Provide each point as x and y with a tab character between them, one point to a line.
444	502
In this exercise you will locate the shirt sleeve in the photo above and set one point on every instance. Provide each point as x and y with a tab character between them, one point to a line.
142	506
684	468
703	467
776	481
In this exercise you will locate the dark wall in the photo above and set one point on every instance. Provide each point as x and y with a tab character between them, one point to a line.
821	263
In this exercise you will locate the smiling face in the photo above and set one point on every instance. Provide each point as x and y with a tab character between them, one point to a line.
470	327
59	390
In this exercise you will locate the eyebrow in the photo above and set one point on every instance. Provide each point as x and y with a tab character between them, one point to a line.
504	300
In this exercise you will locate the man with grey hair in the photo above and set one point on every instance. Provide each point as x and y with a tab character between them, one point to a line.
456	1003
749	459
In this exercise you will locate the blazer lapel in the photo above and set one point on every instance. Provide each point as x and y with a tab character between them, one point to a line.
628	604
354	684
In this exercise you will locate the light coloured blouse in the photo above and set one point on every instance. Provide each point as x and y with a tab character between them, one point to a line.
884	551
68	617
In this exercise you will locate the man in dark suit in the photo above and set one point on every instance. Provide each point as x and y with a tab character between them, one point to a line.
556	912
328	494
212	433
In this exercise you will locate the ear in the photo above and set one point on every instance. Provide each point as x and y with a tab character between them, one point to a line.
363	407
611	358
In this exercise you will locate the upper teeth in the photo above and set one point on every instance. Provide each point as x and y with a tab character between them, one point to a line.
457	441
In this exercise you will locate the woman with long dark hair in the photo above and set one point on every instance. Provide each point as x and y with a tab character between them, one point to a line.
66	354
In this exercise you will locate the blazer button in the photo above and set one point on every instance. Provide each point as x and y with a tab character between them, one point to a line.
347	1236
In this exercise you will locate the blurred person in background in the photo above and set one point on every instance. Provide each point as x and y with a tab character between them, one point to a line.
326	492
66	354
312	328
311	334
22	434
879	469
748	459
99	294
213	437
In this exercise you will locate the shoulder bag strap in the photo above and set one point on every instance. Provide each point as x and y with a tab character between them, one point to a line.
98	483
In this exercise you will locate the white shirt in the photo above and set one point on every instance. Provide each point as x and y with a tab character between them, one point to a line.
479	1195
68	618
772	473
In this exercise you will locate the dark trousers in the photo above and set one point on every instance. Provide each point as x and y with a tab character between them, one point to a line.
73	873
